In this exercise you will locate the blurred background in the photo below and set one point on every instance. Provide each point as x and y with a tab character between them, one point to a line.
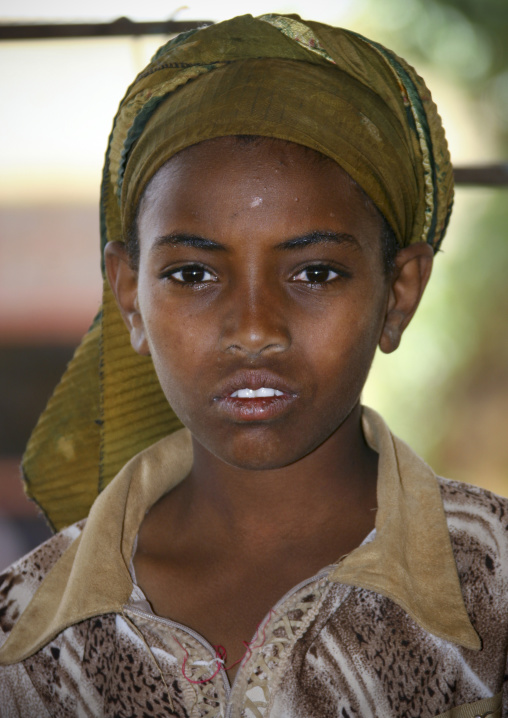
445	390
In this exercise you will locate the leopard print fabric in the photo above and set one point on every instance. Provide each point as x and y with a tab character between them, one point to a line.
329	650
366	657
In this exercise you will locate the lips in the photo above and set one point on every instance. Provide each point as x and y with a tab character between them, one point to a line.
254	396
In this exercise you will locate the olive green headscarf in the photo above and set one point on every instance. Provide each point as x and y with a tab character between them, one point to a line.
275	76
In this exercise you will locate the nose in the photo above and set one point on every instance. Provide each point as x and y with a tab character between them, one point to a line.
254	323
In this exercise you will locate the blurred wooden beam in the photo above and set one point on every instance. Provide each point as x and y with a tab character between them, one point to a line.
121	27
494	175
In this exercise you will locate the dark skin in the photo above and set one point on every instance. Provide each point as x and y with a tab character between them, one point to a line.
271	261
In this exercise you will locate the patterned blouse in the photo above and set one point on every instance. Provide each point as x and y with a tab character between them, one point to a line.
412	623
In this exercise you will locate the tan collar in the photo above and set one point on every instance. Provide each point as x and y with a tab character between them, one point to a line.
410	559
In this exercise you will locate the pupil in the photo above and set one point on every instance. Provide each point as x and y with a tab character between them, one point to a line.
317	274
193	274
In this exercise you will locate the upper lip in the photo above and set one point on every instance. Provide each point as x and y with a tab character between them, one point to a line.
253	379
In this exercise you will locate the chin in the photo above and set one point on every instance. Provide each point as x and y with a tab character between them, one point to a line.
260	457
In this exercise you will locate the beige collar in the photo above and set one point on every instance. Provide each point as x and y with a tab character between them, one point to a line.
410	560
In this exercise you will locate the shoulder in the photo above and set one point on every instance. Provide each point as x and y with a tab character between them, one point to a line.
478	526
20	581
457	493
479	514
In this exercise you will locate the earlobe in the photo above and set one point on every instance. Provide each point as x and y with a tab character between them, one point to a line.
413	266
123	280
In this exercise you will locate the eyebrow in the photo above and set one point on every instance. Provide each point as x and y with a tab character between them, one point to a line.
182	239
319	237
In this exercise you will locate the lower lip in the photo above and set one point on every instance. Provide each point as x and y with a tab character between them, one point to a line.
257	409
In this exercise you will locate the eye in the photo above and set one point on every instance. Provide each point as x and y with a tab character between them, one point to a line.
191	274
316	274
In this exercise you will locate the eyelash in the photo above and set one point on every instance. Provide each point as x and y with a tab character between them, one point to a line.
196	268
208	277
317	268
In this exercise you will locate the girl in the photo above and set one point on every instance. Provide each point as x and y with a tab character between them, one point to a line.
273	194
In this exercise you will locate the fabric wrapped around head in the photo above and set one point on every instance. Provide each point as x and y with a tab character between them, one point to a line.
275	76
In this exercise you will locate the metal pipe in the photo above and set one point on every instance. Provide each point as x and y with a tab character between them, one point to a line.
492	175
122	26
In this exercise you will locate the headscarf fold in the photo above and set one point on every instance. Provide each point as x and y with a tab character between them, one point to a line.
276	76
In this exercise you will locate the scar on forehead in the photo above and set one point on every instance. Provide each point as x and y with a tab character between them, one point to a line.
256	202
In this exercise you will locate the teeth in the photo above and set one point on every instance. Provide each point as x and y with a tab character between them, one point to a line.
256	393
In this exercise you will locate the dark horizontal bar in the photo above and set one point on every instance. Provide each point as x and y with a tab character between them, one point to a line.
122	26
494	175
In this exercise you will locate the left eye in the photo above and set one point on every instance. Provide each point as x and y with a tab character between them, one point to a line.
192	274
316	274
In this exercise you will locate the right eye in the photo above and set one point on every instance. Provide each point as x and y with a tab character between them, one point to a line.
191	274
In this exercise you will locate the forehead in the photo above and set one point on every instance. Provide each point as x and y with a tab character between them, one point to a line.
249	183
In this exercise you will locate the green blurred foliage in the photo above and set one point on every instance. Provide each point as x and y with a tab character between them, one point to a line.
465	39
446	389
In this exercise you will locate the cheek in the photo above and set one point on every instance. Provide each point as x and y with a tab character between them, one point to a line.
347	335
180	347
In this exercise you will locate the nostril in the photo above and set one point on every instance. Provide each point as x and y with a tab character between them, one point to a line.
253	350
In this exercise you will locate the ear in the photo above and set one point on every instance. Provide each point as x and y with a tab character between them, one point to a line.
123	280
413	266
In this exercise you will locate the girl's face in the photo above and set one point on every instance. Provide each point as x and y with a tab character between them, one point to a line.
260	295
